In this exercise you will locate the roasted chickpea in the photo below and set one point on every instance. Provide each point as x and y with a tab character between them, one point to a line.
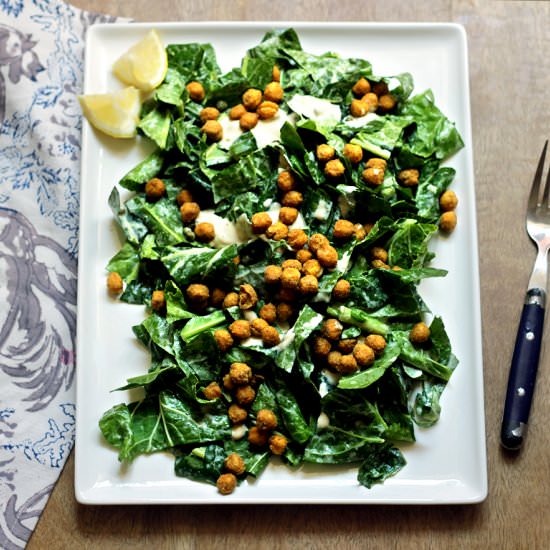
376	342
184	196
257	325
379	88
360	232
448	221
343	230
273	274
231	299
333	359
332	329
154	189
302	255
257	437
217	296
358	108
287	295
376	162
316	241
196	91
260	222
251	99
379	253
268	312
292	198
288	215
267	110
278	444
346	345
240	329
347	364
308	285
373	176
236	112
354	153
189	211
290	278
286	181
197	293
361	87
334	168
379	264
115	285
420	333
270	336
212	391
409	177
236	414
327	256
158	301
324	152
205	232
235	464
248	121
274	92
312	267
292	263
371	101
248	297
213	130
266	420
386	103
364	355
277	231
341	290
226	483
284	311
321	346
223	339
448	201
297	239
245	395
240	373
276	74
209	113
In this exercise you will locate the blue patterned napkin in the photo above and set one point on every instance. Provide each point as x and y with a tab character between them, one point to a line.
41	67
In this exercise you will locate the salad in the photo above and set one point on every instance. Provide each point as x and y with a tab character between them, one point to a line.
277	235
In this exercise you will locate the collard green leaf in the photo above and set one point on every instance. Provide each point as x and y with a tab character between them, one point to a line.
148	168
134	229
292	417
381	463
125	262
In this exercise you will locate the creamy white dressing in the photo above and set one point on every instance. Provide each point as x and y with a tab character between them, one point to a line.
346	201
360	121
226	232
238	432
323	421
322	296
250	315
231	131
252	342
315	108
322	211
286	341
275	208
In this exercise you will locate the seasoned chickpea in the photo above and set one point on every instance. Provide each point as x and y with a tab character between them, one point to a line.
158	301
324	152
251	99
379	264
209	113
273	274
364	355
278	444
354	153
189	211
266	420
316	241
371	101
236	414
297	239
448	201
284	311
332	329
346	345
245	395
334	168
217	296
360	232
343	229
115	285
196	91
312	267
287	295
358	108
223	339
154	189
286	181
292	263
260	222
240	373
288	215
270	336
341	290
235	464
292	198
327	256
377	342
267	110
420	333
184	196
231	299
379	253
321	346
347	364
376	162
236	112
213	130
226	483
373	176
334	358
240	329
276	74
290	278
248	121
302	255
386	103
197	292
248	297
361	87
277	231
409	177
448	221
205	232
212	391
257	437
380	88
268	312
308	285
274	92
257	325
227	382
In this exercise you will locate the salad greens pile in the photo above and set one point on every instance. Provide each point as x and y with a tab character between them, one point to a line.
366	413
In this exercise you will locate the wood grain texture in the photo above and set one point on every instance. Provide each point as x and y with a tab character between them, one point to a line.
509	47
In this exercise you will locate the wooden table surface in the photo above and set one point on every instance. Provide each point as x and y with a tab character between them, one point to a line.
509	46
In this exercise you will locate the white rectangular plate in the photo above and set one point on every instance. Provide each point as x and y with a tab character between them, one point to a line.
448	463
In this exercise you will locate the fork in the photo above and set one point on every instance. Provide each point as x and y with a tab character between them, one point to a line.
525	359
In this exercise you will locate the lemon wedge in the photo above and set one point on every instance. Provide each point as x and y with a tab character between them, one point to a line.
115	114
144	65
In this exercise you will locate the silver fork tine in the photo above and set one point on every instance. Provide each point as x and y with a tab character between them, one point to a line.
534	194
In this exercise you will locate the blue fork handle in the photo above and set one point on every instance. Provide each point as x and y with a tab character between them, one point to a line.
523	371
